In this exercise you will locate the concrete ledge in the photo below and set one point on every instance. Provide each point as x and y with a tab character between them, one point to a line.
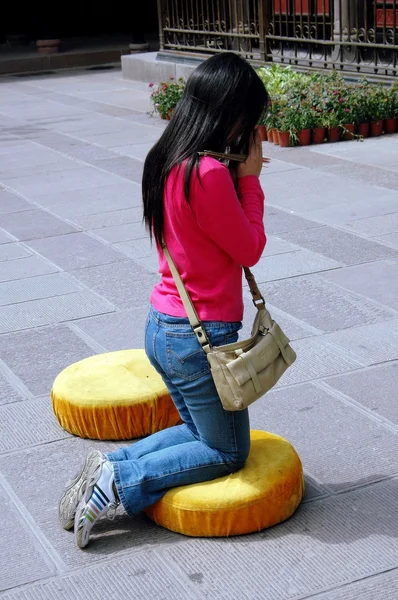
63	60
148	68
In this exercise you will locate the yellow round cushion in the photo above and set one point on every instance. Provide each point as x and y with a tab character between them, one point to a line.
113	396
265	492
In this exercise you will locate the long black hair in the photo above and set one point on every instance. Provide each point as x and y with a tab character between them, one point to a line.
220	107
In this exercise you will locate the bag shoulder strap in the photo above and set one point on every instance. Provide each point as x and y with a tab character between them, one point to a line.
190	309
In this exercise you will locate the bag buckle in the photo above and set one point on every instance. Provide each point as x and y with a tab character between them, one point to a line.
202	338
259	303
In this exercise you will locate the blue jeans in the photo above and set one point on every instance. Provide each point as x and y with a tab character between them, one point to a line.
210	443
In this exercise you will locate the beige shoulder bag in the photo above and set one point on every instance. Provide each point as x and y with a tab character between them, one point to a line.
244	371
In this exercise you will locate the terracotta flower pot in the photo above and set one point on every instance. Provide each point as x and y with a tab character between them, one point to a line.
48	46
262	131
304	137
390	125
363	129
166	116
349	131
284	139
333	134
376	128
318	135
276	137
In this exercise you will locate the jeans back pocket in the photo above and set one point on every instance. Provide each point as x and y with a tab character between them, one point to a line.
185	357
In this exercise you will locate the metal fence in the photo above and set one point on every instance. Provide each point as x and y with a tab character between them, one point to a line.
352	35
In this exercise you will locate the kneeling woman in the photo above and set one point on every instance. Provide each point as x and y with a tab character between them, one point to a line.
211	218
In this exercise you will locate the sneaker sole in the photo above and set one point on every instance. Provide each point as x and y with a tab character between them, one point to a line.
82	536
67	506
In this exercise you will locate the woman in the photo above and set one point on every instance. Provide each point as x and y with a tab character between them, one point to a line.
211	218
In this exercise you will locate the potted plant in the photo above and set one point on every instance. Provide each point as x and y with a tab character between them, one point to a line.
272	119
287	126
166	96
262	128
394	93
388	111
319	128
302	120
375	108
332	123
364	117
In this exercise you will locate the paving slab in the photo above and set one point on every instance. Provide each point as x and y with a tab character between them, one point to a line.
126	284
324	305
146	575
117	331
318	358
111	218
122	233
11	203
377	281
370	153
28	423
376	226
369	344
5	238
293	326
93	201
277	245
34	224
130	134
75	251
327	544
341	457
376	587
391	239
45	164
35	186
306	190
26	267
338	213
139	249
48	311
87	122
13	251
292	264
279	221
126	167
54	349
373	175
33	288
375	389
19	550
341	246
134	150
8	393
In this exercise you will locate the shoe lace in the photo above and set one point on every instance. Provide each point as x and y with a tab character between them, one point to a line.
111	514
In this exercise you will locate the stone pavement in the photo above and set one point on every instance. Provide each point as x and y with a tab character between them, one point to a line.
76	270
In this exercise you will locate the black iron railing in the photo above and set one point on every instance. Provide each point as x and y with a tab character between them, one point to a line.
355	36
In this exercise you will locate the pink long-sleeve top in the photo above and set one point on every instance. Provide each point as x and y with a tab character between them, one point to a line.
210	239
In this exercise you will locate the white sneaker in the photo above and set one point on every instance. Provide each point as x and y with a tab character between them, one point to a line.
100	496
75	489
